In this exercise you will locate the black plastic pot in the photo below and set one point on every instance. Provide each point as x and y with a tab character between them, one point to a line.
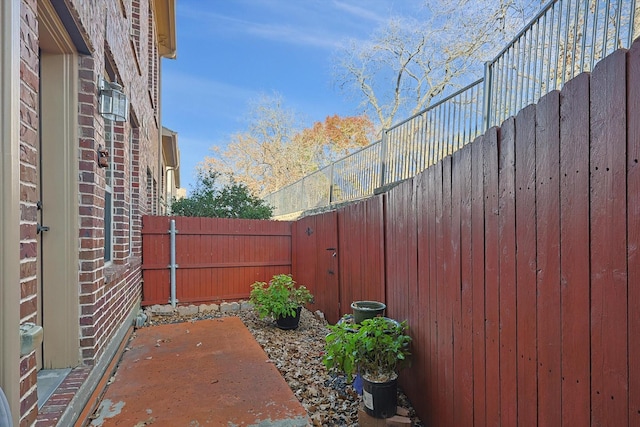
380	399
366	310
289	322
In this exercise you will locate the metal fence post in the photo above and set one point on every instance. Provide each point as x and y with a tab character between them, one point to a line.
486	97
331	183
383	157
172	266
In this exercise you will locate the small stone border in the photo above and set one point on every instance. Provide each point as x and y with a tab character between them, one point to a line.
190	310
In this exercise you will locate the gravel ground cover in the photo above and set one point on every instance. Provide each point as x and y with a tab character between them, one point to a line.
297	354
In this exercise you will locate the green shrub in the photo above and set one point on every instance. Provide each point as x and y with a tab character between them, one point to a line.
280	297
375	348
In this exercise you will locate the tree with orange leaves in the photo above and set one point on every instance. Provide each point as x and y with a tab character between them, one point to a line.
274	152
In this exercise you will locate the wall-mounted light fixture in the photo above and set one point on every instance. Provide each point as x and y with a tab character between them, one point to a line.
114	104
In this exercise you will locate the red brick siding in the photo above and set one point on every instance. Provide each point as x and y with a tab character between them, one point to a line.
108	293
29	86
135	25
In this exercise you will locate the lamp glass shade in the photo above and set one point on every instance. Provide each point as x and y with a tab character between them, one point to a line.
114	104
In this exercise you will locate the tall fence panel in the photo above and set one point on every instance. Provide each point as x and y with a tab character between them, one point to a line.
217	259
515	263
633	233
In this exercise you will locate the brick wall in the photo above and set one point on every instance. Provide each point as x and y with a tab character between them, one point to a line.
28	198
108	292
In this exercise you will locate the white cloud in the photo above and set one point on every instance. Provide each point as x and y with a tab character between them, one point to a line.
365	13
317	24
202	94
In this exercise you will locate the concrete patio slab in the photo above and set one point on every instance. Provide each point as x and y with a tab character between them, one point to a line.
204	373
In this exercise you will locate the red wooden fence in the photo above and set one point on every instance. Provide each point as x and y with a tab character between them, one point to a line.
516	263
218	259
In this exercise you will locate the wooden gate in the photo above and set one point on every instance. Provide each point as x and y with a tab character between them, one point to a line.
315	260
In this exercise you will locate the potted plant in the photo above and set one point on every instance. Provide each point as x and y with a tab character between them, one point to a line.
281	299
374	349
367	309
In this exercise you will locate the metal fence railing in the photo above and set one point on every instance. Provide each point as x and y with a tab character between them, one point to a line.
566	38
563	40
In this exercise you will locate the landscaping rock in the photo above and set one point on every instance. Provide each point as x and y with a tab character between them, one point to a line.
187	310
162	310
227	307
208	308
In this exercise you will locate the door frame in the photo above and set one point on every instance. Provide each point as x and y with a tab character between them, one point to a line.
10	204
59	257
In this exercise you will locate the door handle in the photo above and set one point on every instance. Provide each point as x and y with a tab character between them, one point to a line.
41	228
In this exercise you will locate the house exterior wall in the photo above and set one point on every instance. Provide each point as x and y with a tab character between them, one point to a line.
28	198
114	39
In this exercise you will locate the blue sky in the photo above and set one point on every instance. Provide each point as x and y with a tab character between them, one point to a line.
231	51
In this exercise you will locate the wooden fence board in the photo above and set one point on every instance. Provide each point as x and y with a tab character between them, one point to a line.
574	245
421	354
448	281
415	312
463	337
526	265
633	232
478	281
507	283
492	278
439	294
609	363
549	322
433	289
433	286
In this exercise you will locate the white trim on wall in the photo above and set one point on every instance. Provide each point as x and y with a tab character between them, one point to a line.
10	204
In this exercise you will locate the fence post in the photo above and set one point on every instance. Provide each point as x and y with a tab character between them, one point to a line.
632	28
331	183
383	157
486	97
173	265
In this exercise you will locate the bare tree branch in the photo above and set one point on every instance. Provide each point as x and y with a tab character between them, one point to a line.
412	61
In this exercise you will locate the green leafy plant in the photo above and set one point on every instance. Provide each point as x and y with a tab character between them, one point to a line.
280	297
375	348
